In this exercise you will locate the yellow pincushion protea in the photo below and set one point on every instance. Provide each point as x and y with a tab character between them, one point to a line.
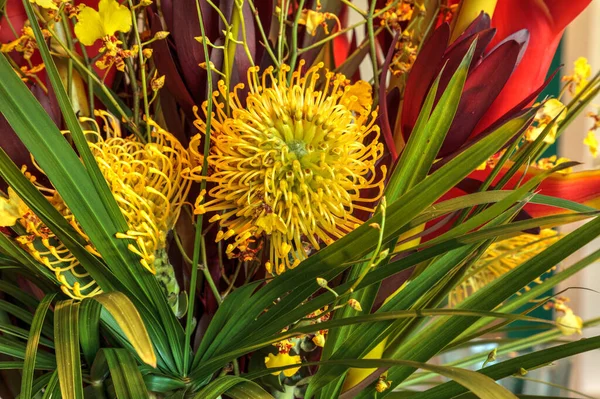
292	164
500	258
146	181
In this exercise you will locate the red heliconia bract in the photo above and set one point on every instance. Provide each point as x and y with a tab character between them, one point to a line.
545	20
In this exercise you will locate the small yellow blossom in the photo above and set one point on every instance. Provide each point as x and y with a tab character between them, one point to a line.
322	282
283	359
11	209
291	164
401	12
354	304
319	339
160	35
551	162
314	19
550	110
570	323
157	83
110	18
147	52
25	43
500	258
592	143
382	384
579	79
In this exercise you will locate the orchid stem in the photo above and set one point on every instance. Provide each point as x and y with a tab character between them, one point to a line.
294	46
198	237
142	68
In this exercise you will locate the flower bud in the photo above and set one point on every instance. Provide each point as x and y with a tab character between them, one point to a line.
354	304
157	83
322	282
161	35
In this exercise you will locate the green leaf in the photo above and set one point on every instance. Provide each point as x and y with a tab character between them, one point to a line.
32	345
11	347
72	122
66	337
18	293
89	328
132	325
127	379
479	384
246	389
429	132
328	262
66	172
53	388
509	367
440	334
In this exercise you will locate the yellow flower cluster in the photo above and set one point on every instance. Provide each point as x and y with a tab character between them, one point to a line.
25	43
41	243
293	164
146	181
579	79
548	112
499	259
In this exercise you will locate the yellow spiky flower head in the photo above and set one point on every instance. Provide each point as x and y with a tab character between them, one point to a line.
500	258
291	161
145	180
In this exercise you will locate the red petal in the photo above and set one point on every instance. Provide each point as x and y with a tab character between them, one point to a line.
545	21
581	187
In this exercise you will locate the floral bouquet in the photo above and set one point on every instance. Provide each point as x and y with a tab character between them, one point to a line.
287	198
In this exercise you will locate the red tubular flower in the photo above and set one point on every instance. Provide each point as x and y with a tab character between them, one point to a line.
545	20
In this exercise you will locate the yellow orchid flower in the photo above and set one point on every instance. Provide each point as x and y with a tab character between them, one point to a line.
570	323
283	359
550	109
111	17
11	209
579	79
592	143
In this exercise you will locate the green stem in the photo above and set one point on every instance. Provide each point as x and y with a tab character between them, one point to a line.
207	275
294	46
196	256
280	38
263	35
142	67
134	86
373	50
92	75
